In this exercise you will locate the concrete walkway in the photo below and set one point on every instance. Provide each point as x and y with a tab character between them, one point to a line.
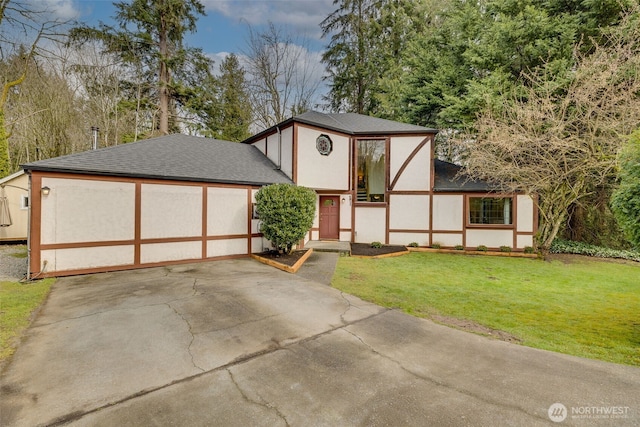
238	343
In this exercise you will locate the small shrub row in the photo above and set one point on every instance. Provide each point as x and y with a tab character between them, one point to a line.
560	246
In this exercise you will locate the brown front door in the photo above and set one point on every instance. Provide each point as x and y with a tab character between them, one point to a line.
329	217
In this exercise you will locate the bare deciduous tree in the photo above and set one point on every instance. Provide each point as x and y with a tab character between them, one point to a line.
282	76
558	138
23	26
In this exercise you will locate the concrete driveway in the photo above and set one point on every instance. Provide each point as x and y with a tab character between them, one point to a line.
239	343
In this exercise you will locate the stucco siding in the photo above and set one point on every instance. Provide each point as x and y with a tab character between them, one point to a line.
370	225
170	211
345	212
173	251
227	211
226	247
446	239
287	152
259	244
409	212
345	236
421	239
80	258
261	145
525	213
524	240
78	210
273	149
448	212
322	172
416	176
489	238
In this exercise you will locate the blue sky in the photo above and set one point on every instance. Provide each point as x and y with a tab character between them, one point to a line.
225	28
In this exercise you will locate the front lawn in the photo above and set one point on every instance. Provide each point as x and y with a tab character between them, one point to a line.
586	308
17	302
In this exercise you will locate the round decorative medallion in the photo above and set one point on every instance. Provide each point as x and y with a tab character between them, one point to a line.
324	145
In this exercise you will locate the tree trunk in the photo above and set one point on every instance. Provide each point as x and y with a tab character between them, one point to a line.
164	79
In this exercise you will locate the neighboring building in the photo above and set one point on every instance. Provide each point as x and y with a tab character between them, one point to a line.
377	180
14	207
180	198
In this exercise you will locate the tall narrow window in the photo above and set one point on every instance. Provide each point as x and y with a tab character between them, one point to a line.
371	170
490	210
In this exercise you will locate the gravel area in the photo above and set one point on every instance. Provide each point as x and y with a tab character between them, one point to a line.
12	268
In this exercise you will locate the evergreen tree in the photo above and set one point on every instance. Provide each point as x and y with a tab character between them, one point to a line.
234	101
149	38
365	58
485	48
626	199
350	55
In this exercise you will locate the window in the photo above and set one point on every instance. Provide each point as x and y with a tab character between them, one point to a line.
490	210
24	202
371	170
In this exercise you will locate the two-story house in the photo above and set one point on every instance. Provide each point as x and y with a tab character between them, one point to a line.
179	198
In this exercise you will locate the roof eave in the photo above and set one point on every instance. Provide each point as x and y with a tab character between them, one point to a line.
148	176
286	123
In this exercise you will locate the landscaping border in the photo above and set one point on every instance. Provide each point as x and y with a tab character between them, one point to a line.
289	269
389	255
474	252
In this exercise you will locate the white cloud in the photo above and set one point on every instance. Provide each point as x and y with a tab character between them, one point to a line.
300	16
62	10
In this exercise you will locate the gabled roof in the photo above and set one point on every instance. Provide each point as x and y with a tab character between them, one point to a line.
175	157
11	177
350	124
447	179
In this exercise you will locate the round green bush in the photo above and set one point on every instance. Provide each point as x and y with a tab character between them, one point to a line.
286	213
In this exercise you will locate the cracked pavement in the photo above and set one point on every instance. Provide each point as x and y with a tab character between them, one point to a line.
240	343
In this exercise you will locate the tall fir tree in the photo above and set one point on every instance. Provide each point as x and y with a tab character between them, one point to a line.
235	103
150	38
350	55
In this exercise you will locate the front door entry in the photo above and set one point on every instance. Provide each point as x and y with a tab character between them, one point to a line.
330	217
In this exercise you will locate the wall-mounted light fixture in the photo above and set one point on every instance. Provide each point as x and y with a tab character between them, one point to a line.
45	191
344	199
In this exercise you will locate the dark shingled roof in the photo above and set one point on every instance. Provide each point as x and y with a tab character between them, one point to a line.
447	179
349	123
175	157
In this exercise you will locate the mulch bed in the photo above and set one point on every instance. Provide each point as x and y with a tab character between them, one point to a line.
285	259
365	249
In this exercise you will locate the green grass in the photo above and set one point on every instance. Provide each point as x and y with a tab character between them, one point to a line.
589	309
20	252
17	302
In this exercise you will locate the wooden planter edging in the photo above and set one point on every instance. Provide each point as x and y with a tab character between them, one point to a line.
466	252
392	254
289	269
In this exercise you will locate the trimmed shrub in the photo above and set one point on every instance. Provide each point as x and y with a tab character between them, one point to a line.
413	245
482	248
505	248
376	245
528	249
286	212
436	245
458	248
